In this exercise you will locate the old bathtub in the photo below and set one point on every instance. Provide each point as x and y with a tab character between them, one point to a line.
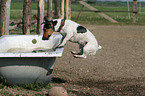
26	59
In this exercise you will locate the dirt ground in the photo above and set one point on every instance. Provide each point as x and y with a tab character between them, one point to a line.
118	69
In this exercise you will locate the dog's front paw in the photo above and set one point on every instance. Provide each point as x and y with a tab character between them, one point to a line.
60	46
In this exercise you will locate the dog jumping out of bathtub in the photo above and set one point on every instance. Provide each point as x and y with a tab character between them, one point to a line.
74	32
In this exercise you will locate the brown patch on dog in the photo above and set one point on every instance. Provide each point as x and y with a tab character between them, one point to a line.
47	34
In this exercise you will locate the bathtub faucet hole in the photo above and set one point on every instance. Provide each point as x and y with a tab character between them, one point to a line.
34	41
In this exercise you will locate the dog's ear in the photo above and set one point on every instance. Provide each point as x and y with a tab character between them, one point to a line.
42	23
54	23
45	18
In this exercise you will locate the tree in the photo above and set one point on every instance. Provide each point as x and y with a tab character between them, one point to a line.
40	16
57	8
49	10
26	17
2	16
134	10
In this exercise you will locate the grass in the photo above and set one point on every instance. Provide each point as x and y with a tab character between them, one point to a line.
32	86
85	17
36	87
88	17
121	17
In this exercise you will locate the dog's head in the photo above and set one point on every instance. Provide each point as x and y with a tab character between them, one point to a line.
49	28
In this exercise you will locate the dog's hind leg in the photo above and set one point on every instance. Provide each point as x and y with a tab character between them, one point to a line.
74	52
80	56
81	50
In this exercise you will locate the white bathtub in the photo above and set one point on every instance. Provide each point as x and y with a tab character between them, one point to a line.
26	59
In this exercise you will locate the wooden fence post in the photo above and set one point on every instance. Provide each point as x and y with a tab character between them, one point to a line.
49	10
57	8
134	10
40	16
100	13
67	9
26	17
2	16
8	3
79	12
128	8
62	8
139	7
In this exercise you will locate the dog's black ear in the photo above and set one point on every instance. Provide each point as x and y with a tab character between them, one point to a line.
42	23
54	23
45	18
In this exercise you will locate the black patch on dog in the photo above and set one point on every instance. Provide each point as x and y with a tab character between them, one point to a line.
54	23
81	29
50	24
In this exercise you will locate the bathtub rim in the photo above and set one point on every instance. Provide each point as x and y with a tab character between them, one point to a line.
57	53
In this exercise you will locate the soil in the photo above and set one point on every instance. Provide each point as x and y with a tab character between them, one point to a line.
118	69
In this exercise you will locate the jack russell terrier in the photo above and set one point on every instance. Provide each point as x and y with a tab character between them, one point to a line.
74	32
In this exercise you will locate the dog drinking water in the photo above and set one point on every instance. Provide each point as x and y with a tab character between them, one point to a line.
74	32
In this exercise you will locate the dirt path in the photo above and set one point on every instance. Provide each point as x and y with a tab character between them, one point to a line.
117	69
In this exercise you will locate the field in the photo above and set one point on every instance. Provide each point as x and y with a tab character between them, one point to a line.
85	17
116	70
89	17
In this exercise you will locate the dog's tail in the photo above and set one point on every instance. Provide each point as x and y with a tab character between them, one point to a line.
99	47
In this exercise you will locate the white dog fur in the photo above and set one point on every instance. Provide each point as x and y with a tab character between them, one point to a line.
87	42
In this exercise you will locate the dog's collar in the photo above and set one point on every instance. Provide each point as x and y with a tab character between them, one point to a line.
61	25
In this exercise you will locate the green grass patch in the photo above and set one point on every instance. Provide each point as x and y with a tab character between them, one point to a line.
35	86
32	86
88	17
85	17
